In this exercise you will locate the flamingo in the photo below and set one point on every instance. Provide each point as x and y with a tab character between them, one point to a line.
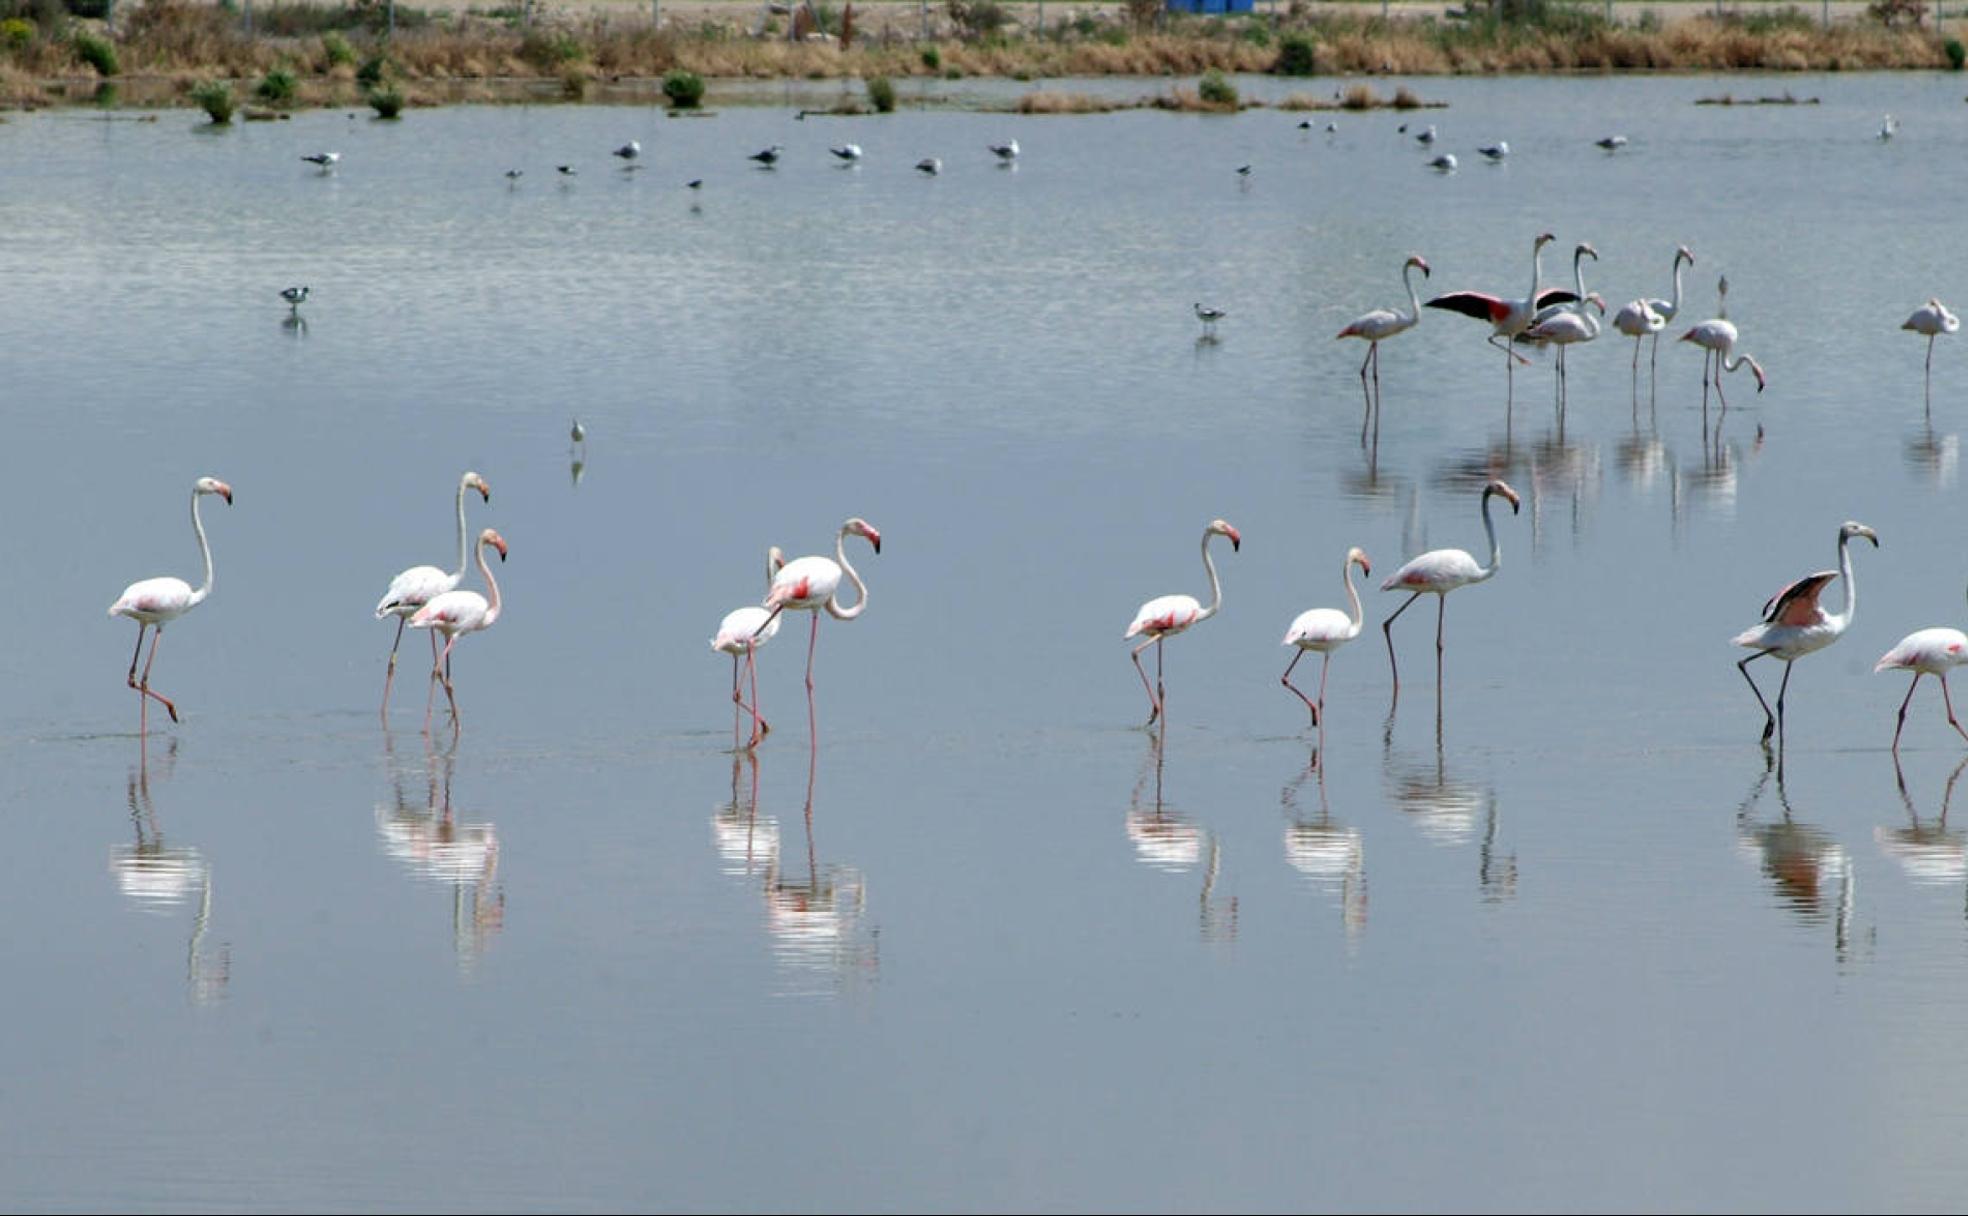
1326	630
418	585
1631	319
742	632
1932	319
1167	615
1793	624
1507	318
810	584
1208	316
1719	337
159	601
1439	572
1383	323
1568	328
1926	652
455	613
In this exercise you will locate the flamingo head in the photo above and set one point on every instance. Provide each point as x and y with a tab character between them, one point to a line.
1684	254
1756	369
1853	527
1419	263
490	537
1585	250
1690	335
1503	489
861	527
1222	527
1593	297
473	481
1544	238
1358	556
212	485
775	560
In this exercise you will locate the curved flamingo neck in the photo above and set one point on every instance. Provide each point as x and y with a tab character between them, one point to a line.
1414	299
204	550
1844	617
462	548
834	608
1578	282
1537	276
1731	361
1216	587
1489	529
1353	597
491	585
1674	305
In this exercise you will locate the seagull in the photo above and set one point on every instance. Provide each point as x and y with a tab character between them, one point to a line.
1332	128
325	159
769	156
578	433
1445	163
1889	128
695	183
1612	143
931	165
847	152
513	175
565	170
1208	316
629	151
1006	152
294	296
1305	124
1427	135
1496	151
1244	171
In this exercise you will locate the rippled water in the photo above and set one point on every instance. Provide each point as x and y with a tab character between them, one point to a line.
1571	943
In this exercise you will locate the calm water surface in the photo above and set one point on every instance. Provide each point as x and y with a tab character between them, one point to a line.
1572	943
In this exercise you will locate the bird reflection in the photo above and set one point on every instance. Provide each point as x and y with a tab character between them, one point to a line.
1936	457
295	325
747	844
1807	868
1331	856
1165	839
157	877
424	833
1452	812
1930	853
815	914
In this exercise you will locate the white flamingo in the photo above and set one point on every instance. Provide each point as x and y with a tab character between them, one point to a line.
1569	328
1793	624
1383	323
1439	572
1167	615
1932	319
156	602
1632	318
1507	318
456	613
1927	652
1326	630
418	585
811	584
1719	337
742	632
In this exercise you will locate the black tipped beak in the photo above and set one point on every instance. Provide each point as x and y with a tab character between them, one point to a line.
228	497
1236	544
878	544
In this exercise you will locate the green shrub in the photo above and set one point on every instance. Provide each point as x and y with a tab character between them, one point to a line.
16	33
277	88
1956	53
215	98
1217	90
337	49
97	52
1257	33
881	94
932	59
1296	55
684	89
548	50
372	71
386	101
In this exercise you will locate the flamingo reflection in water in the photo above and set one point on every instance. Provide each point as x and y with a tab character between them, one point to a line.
1932	854
1451	812
157	877
747	844
426	835
1808	869
1331	856
1165	839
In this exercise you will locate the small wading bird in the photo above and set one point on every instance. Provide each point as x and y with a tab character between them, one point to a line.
1208	316
1439	572
1383	323
768	156
1244	171
1612	143
1889	127
810	584
456	613
513	175
576	433
847	152
565	170
326	160
1426	136
1507	318
1167	615
156	602
629	151
931	165
1005	152
1496	151
295	297
1633	317
742	632
1932	319
1445	163
1326	630
419	585
1793	624
1928	652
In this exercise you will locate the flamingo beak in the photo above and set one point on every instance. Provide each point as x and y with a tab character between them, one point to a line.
485	491
225	492
874	538
1366	567
1236	540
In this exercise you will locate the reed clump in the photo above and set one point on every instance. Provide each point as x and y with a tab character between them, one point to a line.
1045	101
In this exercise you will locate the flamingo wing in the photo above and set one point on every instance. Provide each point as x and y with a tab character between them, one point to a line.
1797	604
1555	295
1481	305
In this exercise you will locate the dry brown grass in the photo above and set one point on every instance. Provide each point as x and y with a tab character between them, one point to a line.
1046	101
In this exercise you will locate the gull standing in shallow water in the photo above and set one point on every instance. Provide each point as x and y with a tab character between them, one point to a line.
932	165
1006	152
1208	316
156	602
326	160
1793	624
847	152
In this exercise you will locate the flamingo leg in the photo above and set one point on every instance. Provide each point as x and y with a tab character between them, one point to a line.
390	676
1365	396
1782	689
1949	702
1154	704
450	694
737	703
812	719
1387	630
1929	376
1769	719
1324	666
1441	615
759	726
1903	711
1286	681
142	683
1161	693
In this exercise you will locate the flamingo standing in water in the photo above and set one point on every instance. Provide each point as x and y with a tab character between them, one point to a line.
1439	572
1927	652
1507	318
1718	337
1633	318
810	584
1384	323
416	586
456	613
1932	319
742	632
1793	624
156	602
1326	630
1568	328
1167	615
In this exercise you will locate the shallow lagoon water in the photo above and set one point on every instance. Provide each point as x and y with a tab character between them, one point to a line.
1576	945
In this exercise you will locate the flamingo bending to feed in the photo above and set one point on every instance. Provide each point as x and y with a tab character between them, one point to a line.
810	584
456	613
1932	319
1632	318
742	632
418	585
1793	624
1718	337
1439	572
1383	323
1326	630
1167	615
156	602
1507	318
1927	652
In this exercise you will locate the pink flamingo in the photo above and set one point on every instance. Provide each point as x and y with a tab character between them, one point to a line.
1718	337
455	613
1507	318
156	602
416	586
1633	318
1439	572
1793	624
1927	652
1167	615
1326	630
809	584
1383	323
742	632
1567	328
1932	319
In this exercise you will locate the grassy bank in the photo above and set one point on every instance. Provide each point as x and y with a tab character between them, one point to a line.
337	54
